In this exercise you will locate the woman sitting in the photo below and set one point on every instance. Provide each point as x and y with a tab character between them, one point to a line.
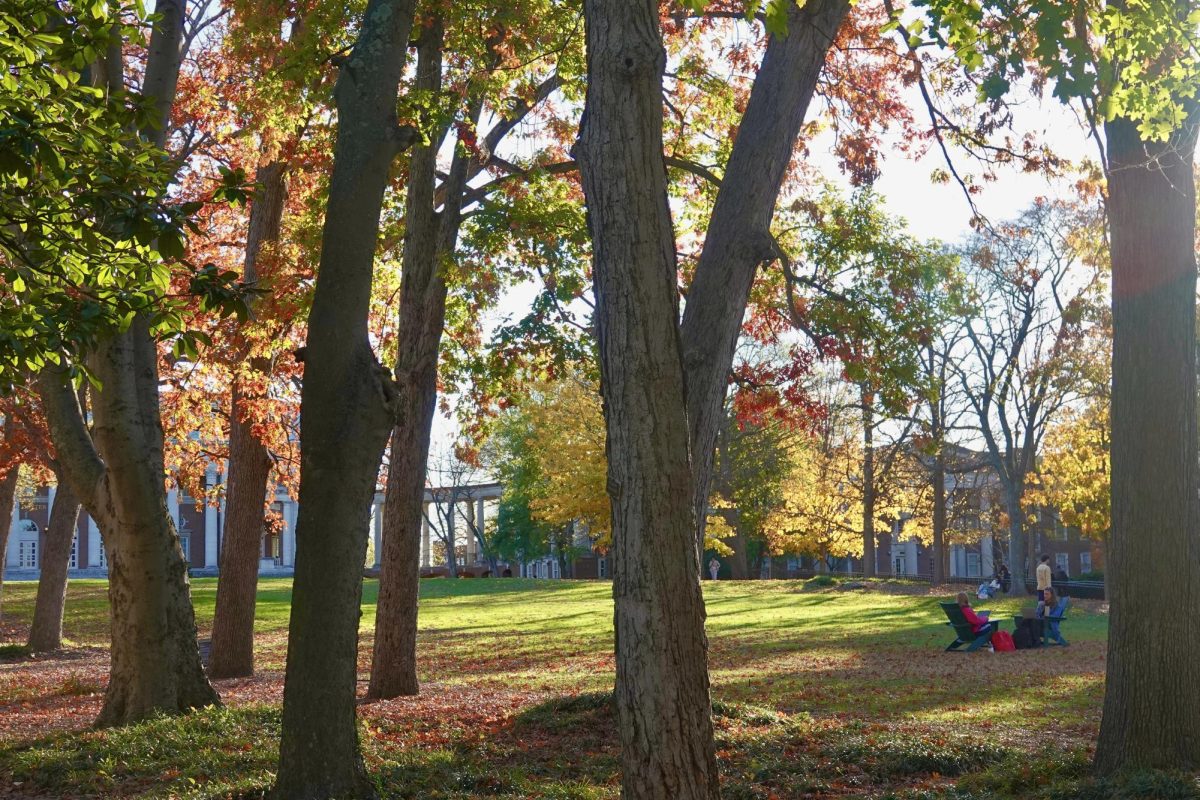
978	622
1052	612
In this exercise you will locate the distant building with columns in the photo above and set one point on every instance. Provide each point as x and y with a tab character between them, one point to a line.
201	527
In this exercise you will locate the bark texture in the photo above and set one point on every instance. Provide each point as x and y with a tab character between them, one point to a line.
661	689
232	652
8	496
1152	692
45	633
419	333
347	410
116	470
739	238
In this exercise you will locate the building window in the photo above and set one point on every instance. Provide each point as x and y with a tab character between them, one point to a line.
185	542
602	565
103	555
74	562
973	569
1061	561
27	555
1085	561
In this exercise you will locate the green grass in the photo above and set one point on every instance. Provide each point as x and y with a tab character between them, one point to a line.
817	692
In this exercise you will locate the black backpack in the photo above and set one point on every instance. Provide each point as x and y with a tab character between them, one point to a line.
1023	636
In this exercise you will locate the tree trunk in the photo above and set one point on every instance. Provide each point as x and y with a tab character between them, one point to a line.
869	562
451	543
8	496
419	332
1016	542
1152	692
661	690
154	663
117	473
738	238
45	634
939	518
232	652
347	411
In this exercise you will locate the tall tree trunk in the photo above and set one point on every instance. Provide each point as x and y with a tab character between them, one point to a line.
939	518
8	497
347	411
117	473
868	415
45	634
738	238
1017	551
451	542
232	652
661	690
1152	692
419	333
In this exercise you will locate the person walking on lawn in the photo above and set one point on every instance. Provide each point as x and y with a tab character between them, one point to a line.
1045	580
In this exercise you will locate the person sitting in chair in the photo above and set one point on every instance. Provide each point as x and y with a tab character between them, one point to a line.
978	622
1052	612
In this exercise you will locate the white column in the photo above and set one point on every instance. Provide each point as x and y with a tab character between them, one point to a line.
377	527
289	532
93	534
10	557
986	547
210	531
426	557
173	506
50	492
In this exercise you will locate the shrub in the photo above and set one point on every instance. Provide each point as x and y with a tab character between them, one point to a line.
822	582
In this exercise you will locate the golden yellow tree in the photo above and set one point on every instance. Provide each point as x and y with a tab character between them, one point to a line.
1073	476
567	440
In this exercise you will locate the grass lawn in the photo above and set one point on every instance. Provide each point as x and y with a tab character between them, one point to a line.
818	693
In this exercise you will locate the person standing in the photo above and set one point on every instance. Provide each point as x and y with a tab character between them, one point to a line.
1005	577
714	567
1044	579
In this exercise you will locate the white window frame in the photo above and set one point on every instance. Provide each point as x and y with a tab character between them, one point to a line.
974	565
1062	561
1085	561
73	563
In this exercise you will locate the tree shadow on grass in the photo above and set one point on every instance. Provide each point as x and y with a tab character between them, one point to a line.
563	748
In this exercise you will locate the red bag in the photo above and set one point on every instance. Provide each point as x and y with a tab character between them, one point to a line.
1003	642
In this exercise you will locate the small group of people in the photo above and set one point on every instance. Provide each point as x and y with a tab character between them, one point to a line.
1000	582
1044	622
